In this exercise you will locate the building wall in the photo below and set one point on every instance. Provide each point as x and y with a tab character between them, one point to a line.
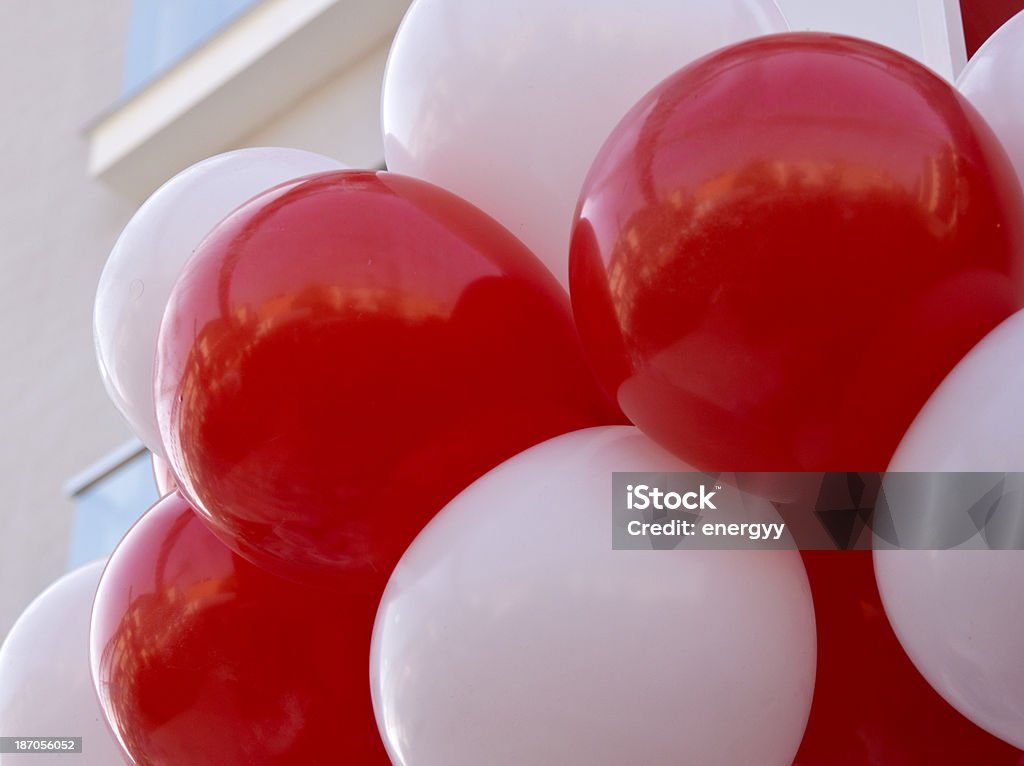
340	118
60	64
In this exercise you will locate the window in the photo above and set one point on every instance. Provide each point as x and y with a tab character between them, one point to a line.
164	31
109	497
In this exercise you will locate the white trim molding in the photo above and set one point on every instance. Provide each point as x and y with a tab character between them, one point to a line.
250	71
103	467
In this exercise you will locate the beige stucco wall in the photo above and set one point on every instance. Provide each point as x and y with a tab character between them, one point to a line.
340	118
60	64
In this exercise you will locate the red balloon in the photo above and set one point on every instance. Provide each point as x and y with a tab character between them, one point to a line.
870	704
346	353
199	657
785	246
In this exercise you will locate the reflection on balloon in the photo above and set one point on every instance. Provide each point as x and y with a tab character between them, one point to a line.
511	633
767	235
45	687
149	255
507	103
201	658
343	355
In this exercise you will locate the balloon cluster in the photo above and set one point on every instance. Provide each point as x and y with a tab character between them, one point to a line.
385	435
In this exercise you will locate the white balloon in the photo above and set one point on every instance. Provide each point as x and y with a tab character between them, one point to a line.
148	256
45	686
507	103
511	632
974	420
992	82
959	613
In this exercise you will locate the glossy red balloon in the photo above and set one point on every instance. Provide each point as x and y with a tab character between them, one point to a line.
785	246
199	657
871	706
346	353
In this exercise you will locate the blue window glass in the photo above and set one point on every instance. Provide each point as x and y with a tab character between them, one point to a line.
164	31
106	508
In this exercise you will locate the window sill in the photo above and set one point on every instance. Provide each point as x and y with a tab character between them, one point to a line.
234	83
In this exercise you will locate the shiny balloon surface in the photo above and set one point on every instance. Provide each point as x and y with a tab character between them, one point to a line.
343	355
785	246
201	658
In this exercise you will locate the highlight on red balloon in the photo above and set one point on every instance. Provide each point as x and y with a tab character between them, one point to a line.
200	657
343	354
784	247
